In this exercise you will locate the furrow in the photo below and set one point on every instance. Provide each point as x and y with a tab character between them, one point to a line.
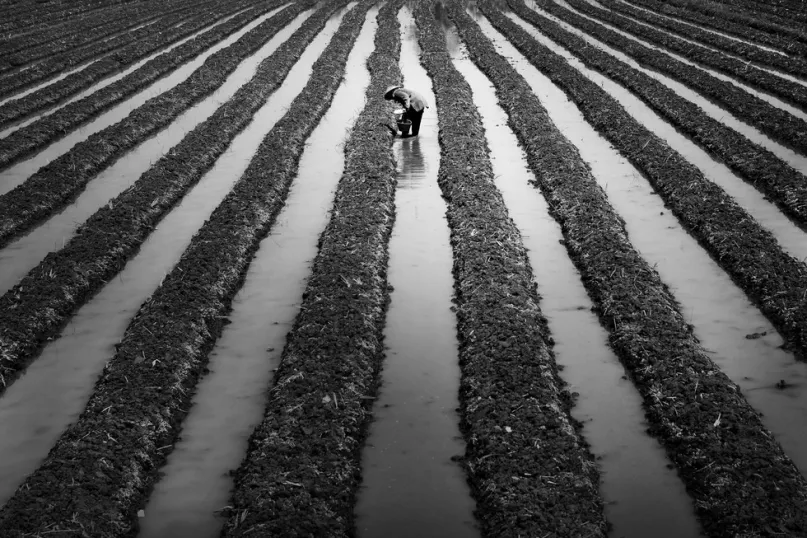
118	450
14	111
36	308
301	471
781	183
737	69
60	181
529	469
776	123
720	461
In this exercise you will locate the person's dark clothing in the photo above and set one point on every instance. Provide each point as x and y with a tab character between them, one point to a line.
414	104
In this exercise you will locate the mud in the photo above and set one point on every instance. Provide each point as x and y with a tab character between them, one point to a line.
642	494
410	486
616	279
53	394
114	453
229	400
302	469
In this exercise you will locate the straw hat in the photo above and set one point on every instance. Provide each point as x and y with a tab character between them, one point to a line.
389	91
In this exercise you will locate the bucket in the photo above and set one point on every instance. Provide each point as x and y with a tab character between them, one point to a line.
404	126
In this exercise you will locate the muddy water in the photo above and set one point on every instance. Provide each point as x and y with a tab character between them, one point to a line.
643	497
792	239
230	400
60	76
795	160
704	45
711	30
83	65
15	175
720	312
24	254
112	79
54	389
410	485
778	103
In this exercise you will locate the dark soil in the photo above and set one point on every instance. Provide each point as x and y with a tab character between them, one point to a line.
36	72
776	123
34	137
740	479
95	30
59	182
302	469
103	467
38	101
787	64
791	92
36	309
745	25
775	281
530	471
779	182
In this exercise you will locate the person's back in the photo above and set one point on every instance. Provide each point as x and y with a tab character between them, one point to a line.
413	102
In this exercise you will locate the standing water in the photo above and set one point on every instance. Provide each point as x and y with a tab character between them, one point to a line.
410	485
35	410
743	343
230	400
643	496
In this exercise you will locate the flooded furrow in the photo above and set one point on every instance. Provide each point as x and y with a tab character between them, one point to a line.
230	400
22	255
770	99
117	76
742	341
792	239
15	175
64	74
712	48
643	496
55	387
410	485
792	158
705	29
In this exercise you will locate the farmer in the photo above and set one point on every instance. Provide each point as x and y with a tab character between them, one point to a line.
414	104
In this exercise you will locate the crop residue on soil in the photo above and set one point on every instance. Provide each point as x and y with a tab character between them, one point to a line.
411	487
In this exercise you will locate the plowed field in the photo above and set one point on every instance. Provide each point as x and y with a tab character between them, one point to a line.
235	300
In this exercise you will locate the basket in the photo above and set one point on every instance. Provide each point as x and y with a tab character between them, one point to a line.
404	126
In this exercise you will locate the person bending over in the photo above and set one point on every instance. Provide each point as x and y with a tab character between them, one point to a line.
414	104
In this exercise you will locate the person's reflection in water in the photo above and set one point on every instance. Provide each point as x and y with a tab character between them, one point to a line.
413	167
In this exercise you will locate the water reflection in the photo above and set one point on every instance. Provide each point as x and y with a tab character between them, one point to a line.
412	166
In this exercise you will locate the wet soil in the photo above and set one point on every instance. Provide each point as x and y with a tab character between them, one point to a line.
230	399
36	308
113	452
22	255
410	485
643	496
645	325
59	182
53	394
302	468
530	471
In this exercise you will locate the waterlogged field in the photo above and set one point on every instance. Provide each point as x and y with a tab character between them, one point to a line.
236	302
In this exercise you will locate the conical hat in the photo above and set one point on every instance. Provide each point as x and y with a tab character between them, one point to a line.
388	92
